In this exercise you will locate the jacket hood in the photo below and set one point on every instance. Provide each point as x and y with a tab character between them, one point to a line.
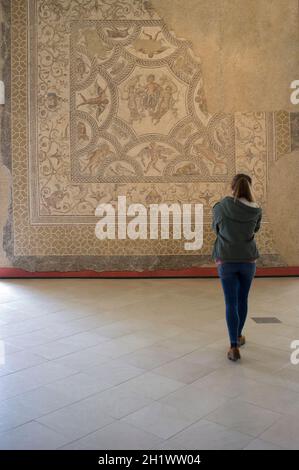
237	210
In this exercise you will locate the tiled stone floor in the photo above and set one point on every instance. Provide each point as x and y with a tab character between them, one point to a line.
141	364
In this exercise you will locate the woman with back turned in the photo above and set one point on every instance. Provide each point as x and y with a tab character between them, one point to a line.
236	219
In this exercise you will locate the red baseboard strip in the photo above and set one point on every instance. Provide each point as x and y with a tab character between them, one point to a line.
188	272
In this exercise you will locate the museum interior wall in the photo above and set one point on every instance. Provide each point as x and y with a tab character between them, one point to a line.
161	102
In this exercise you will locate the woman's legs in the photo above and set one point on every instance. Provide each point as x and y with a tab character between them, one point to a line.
228	273
246	275
236	279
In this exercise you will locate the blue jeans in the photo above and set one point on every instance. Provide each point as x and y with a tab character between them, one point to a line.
236	279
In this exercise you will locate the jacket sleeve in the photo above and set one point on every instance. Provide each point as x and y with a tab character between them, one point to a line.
216	217
258	223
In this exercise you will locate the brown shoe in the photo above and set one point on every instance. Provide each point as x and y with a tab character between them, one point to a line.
234	354
241	341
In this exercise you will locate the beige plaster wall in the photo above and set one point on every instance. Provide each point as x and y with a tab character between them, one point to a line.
283	208
249	49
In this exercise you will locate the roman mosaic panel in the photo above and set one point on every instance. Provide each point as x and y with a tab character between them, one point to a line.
107	101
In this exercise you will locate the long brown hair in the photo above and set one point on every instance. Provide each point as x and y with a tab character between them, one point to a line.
241	187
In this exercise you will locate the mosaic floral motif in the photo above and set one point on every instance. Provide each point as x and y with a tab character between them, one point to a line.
282	133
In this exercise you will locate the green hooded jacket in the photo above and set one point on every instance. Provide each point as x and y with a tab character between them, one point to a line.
235	225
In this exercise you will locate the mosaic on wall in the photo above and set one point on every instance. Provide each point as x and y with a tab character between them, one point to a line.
116	106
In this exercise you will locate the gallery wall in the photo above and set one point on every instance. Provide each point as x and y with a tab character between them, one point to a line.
160	102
